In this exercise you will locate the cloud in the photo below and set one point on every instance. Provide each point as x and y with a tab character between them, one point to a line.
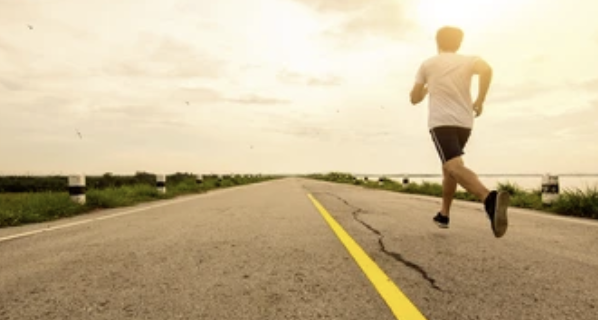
318	125
250	67
138	112
590	85
329	6
167	57
52	46
12	58
11	85
309	132
290	77
304	131
536	59
580	120
320	132
325	81
379	18
296	123
195	94
173	111
500	93
6	48
537	95
37	105
545	128
256	99
386	19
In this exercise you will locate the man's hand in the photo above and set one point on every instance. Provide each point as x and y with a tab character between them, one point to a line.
478	107
483	69
418	93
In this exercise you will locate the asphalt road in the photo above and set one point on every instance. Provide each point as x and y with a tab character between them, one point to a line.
265	252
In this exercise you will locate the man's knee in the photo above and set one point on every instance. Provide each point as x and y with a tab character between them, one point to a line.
452	166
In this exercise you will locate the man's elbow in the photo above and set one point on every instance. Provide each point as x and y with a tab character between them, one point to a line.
482	68
485	70
486	75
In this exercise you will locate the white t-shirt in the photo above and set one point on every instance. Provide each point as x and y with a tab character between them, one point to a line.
448	76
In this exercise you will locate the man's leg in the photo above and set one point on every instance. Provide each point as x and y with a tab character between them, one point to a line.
446	141
495	203
449	187
465	177
450	142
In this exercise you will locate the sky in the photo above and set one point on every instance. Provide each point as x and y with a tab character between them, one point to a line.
287	86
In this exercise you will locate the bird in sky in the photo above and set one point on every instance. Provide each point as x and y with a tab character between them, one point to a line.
79	134
30	27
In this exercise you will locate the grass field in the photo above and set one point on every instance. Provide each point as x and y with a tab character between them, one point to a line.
578	203
23	208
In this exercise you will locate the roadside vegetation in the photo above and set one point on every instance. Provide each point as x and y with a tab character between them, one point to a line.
26	200
578	203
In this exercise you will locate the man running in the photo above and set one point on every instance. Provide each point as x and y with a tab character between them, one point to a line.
447	77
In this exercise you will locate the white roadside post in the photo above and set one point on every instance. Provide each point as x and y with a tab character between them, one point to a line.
550	189
161	183
199	179
77	188
381	181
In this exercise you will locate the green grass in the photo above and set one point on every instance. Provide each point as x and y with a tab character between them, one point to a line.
24	208
578	203
521	198
17	209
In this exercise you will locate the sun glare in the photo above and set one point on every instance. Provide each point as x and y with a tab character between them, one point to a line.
286	32
474	16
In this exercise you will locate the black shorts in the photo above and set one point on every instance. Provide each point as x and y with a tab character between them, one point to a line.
450	141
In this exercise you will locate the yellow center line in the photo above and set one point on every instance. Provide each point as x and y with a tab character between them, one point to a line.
398	303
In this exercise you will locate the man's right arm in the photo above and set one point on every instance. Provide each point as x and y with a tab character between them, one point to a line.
419	90
484	71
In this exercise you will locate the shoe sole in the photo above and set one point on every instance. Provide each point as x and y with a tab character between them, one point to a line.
440	225
501	222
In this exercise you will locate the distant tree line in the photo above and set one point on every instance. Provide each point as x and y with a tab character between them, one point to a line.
107	180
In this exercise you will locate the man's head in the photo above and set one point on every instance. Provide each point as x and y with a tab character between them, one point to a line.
449	39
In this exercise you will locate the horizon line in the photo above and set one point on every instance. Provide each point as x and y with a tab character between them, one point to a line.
389	175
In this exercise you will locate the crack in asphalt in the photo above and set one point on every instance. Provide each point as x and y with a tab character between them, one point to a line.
395	255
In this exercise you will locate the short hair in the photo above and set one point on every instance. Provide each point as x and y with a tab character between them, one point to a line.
449	38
